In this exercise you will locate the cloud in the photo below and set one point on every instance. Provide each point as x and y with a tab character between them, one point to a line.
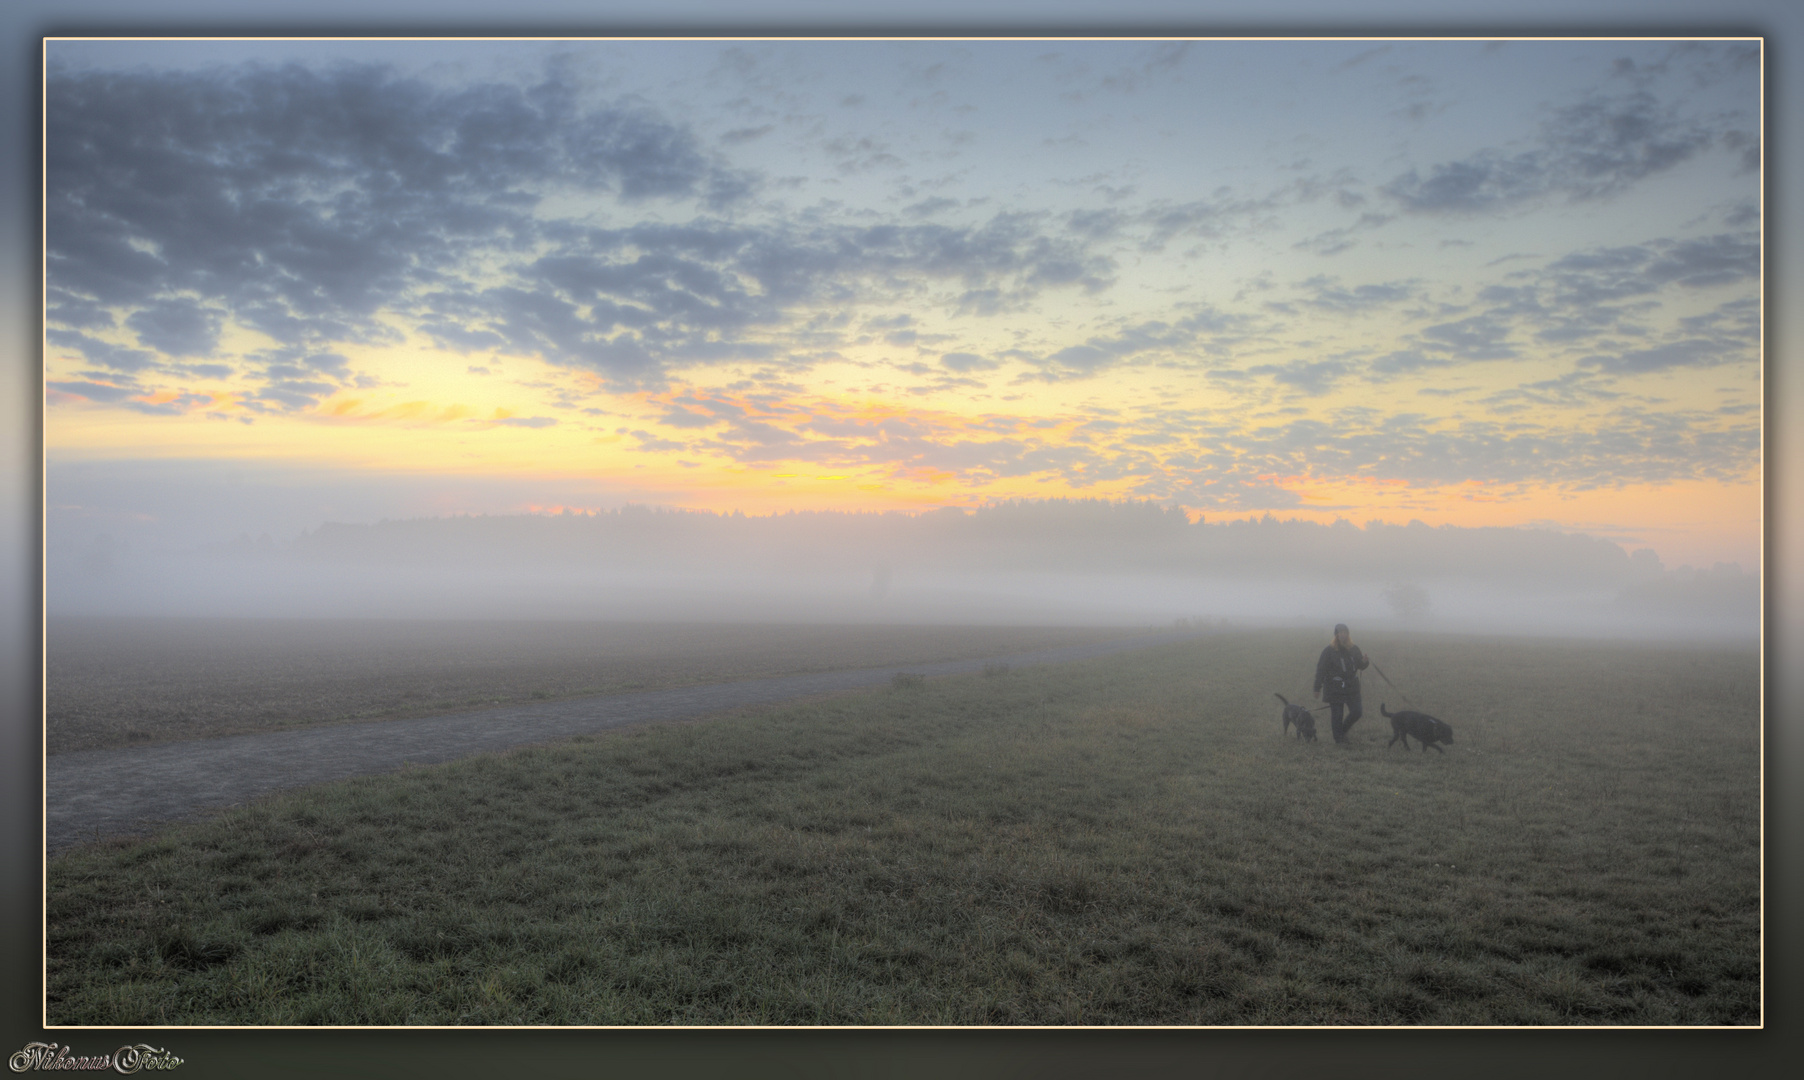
177	327
1335	241
1406	362
178	405
1687	352
747	134
1603	275
104	353
329	208
1141	66
633	303
292	394
93	391
1206	330
1601	146
328	363
930	206
1747	145
830	434
1209	219
63	308
1095	224
1593	149
1153	64
963	361
1222	461
1477	337
654	443
1722	259
304	203
1574	389
695	412
1700	63
1602	300
1734	321
1605	300
1632	446
1361	57
1327	294
1311	377
856	154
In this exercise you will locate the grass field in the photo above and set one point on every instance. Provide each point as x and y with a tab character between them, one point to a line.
1119	841
120	682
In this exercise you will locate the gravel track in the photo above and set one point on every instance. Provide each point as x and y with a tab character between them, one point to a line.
92	794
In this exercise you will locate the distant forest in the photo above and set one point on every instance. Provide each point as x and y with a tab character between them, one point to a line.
1056	535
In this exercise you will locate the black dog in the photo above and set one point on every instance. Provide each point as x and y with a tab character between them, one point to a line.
1300	716
1427	730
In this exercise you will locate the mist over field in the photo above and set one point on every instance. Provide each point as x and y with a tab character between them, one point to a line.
1026	562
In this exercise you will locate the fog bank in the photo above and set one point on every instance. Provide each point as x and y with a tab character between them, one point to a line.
1052	562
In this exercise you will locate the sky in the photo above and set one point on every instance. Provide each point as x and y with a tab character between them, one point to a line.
1464	282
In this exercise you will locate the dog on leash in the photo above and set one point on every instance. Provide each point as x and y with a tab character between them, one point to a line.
1300	716
1424	728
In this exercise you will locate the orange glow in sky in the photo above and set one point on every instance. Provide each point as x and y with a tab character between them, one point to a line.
1465	285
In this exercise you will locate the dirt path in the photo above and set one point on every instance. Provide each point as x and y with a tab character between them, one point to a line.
96	793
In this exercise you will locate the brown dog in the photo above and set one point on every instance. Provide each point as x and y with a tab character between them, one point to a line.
1427	730
1300	716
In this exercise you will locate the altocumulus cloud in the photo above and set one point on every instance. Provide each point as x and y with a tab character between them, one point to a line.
1328	294
329	206
1590	307
303	203
1602	296
1591	149
1233	469
963	361
318	194
633	303
1206	330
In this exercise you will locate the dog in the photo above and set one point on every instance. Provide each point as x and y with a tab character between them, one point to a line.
1300	716
1426	729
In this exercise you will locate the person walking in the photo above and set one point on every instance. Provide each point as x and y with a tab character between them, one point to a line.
1337	681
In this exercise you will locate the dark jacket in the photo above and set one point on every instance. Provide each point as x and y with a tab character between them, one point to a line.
1346	663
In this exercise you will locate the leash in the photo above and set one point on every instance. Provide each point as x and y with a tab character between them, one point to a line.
1389	683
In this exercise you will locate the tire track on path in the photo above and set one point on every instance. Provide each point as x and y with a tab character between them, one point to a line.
90	794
